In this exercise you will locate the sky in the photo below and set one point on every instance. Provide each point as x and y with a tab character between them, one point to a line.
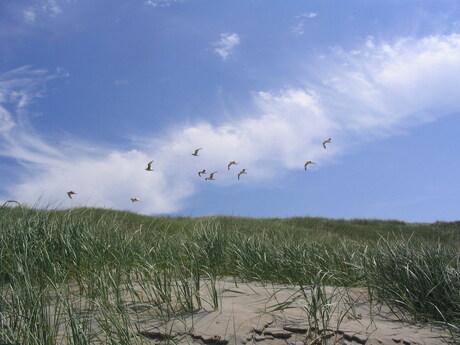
91	91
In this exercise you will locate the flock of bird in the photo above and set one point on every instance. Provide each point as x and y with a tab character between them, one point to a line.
211	175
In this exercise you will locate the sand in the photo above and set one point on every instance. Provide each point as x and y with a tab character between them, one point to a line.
278	314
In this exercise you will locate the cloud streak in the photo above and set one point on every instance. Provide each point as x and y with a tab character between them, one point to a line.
160	3
378	89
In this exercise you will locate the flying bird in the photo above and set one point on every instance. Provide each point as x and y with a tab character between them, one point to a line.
309	162
135	199
202	172
232	163
211	176
328	141
70	193
242	172
196	152
149	166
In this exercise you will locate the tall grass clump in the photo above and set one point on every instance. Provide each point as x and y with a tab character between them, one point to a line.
422	280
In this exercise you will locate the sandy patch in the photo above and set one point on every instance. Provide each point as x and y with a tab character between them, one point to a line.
280	314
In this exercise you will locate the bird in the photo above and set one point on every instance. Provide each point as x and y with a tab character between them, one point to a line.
70	193
211	176
149	166
308	162
202	172
232	163
242	172
135	199
196	152
328	141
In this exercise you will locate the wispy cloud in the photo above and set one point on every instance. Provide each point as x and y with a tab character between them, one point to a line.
160	3
378	89
308	15
19	88
30	15
226	44
298	28
43	8
394	85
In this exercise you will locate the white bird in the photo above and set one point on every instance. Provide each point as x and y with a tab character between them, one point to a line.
70	193
232	163
309	162
196	152
242	172
202	172
135	199
149	166
211	176
328	141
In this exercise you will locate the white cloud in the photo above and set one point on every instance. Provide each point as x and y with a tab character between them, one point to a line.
30	15
308	15
6	121
43	8
298	28
226	44
378	88
393	85
51	7
160	3
18	89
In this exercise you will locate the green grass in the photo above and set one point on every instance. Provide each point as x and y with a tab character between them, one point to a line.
413	267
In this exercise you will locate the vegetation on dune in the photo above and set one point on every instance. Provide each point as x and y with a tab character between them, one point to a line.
58	254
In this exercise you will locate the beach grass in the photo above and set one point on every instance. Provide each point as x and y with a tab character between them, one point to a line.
56	263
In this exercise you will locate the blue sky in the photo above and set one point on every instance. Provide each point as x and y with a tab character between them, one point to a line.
91	91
